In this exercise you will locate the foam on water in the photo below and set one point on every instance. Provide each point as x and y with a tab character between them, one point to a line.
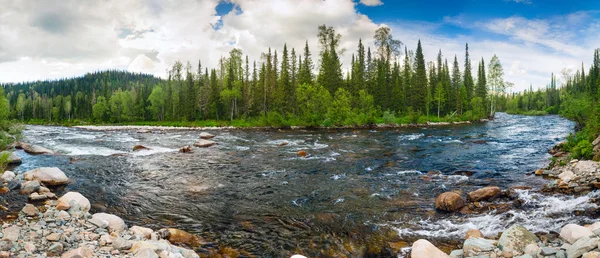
411	137
153	150
539	213
75	150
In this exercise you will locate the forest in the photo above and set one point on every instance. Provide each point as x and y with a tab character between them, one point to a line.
387	84
576	99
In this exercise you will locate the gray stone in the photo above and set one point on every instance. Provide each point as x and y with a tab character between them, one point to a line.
581	246
35	149
146	253
476	245
572	232
204	143
48	175
206	136
30	187
98	222
120	243
55	249
561	254
30	210
546	251
53	237
115	224
8	176
5	245
11	233
516	238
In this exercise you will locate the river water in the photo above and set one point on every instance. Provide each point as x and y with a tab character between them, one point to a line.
251	194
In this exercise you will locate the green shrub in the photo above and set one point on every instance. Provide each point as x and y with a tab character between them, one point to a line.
389	117
4	161
583	150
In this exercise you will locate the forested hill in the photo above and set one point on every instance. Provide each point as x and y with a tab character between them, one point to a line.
74	97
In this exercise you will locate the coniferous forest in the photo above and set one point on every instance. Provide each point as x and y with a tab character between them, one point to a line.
386	84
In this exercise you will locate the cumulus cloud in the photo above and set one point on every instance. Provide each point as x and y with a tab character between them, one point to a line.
371	2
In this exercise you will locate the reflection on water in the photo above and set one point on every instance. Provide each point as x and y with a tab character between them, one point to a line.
250	193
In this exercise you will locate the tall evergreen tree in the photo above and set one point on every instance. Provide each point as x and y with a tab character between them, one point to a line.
468	78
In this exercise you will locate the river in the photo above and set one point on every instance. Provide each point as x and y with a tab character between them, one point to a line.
251	194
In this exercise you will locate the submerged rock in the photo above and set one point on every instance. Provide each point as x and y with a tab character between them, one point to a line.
186	149
301	153
484	194
48	175
516	238
424	249
449	201
204	143
140	147
178	236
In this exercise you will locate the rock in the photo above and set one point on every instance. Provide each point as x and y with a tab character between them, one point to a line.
29	247
35	149
8	176
177	236
151	244
449	201
120	243
204	143
539	172
561	254
146	253
63	215
115	224
206	136
586	166
98	222
566	176
424	249
13	159
186	149
30	187
81	252
53	237
471	233
592	254
301	153
143	131
581	246
37	197
597	141
55	249
140	147
472	246
458	253
11	233
532	249
484	194
48	175
73	200
142	232
572	232
30	210
547	251
516	238
283	144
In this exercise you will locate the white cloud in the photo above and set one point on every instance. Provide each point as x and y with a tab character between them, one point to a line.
371	2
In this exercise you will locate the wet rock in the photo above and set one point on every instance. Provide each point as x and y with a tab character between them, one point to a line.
48	175
484	194
140	147
177	236
30	210
581	246
13	159
206	136
142	232
572	232
115	224
37	197
449	201
35	149
301	153
81	252
204	143
143	131
473	246
516	238
73	200
283	144
30	187
424	249
186	149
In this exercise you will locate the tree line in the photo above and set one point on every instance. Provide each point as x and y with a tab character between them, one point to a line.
383	84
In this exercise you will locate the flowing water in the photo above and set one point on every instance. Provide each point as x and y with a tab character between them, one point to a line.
252	194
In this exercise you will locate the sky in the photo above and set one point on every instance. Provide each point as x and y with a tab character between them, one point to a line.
51	39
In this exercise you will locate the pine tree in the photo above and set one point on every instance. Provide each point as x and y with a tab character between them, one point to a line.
460	102
306	68
419	81
468	78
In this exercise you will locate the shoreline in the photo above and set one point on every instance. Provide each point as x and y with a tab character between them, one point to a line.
220	128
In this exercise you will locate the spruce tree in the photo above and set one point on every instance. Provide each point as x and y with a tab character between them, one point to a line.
468	78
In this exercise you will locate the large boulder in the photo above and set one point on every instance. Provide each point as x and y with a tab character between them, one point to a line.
424	249
115	224
73	200
47	175
581	246
484	194
13	159
572	232
449	201
206	136
516	238
35	149
473	246
204	143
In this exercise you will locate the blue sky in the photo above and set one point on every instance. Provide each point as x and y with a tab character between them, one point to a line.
56	39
